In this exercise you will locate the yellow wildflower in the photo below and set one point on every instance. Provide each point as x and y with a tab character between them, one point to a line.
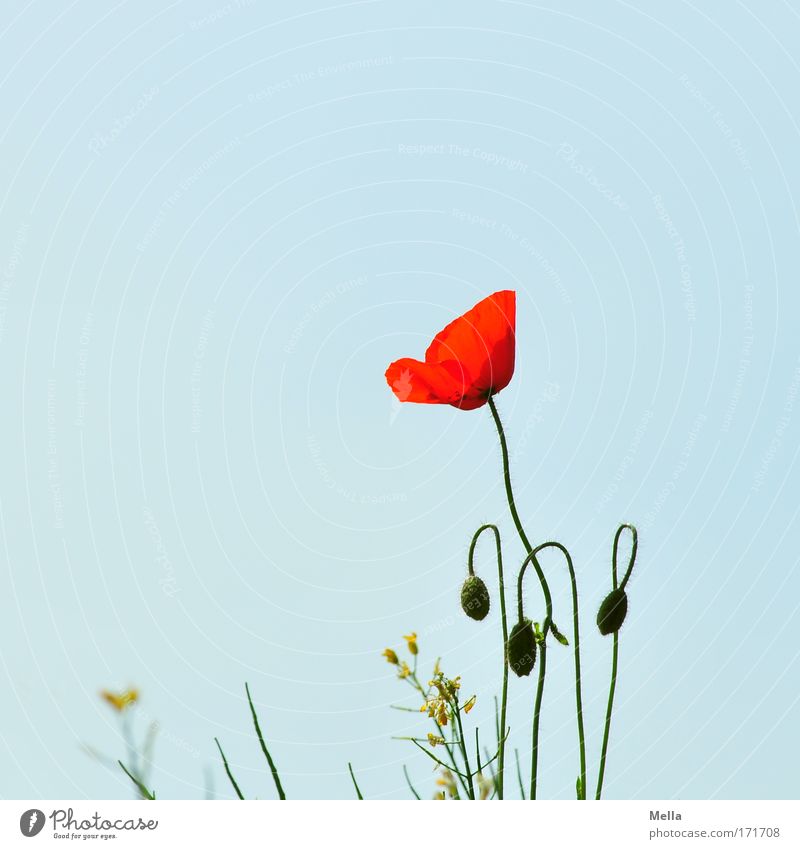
448	689
120	701
485	786
470	704
403	671
447	781
411	639
444	696
435	740
391	656
437	709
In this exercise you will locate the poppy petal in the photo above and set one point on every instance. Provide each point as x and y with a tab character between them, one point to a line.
482	342
424	383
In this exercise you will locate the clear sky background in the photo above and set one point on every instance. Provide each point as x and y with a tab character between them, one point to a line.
220	223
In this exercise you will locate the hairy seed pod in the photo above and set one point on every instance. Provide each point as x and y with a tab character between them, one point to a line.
475	598
521	648
612	612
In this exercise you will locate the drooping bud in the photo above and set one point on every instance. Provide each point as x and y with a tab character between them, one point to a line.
475	599
612	612
521	648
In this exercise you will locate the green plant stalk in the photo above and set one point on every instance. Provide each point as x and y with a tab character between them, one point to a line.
273	770
519	776
615	654
631	561
408	781
531	556
576	636
501	731
537	707
433	757
228	771
143	791
578	696
537	710
355	783
609	709
513	509
471	788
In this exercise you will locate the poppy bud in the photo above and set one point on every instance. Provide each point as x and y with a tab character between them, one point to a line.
612	612
475	598
521	648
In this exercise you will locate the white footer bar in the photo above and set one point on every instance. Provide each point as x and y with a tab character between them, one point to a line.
405	825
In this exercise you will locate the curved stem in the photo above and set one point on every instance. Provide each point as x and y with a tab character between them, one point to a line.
610	707
501	734
615	654
577	654
631	561
515	515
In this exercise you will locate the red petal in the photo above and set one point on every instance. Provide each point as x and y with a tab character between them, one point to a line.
482	342
424	383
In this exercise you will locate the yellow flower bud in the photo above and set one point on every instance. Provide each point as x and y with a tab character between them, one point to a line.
411	639
120	701
391	656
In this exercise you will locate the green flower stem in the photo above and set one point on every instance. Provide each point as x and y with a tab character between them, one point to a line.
355	783
471	788
501	731
515	515
143	791
519	776
434	758
537	710
631	561
531	557
612	688
577	653
410	785
615	653
270	762
228	771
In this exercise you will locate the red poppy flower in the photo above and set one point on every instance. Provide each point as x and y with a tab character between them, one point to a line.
467	362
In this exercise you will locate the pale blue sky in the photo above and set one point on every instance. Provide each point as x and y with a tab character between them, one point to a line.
220	222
